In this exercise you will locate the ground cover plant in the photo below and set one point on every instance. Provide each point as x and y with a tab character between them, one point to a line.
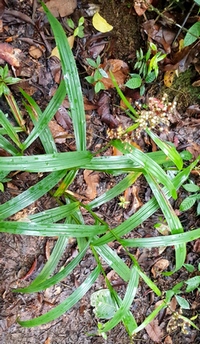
165	170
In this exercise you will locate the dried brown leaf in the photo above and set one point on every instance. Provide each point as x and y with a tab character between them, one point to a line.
61	7
154	331
119	69
159	266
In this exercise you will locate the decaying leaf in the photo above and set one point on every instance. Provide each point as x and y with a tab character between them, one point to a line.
154	331
92	181
132	199
159	266
104	111
100	24
159	34
61	8
141	6
168	340
10	54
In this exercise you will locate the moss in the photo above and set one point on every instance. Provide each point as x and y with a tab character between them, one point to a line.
183	91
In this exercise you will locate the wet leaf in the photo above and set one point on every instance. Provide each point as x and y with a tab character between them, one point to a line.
100	24
154	331
193	34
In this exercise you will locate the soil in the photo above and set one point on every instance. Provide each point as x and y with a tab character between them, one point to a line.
18	253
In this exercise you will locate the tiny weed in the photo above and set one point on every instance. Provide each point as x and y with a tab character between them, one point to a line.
97	75
79	30
189	201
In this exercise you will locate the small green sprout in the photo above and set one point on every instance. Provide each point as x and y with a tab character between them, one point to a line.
98	74
78	31
189	201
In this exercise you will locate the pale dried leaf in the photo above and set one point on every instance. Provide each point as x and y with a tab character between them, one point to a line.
35	52
168	340
159	266
92	181
154	331
61	8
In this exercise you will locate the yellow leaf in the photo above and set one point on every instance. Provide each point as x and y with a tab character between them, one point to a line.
55	53
169	77
100	24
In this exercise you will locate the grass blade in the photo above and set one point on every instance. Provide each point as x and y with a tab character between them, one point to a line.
65	305
72	81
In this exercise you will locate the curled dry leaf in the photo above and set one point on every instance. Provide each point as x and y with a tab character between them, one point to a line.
58	133
104	111
10	54
92	181
61	8
119	69
159	266
154	331
35	52
159	34
132	199
140	6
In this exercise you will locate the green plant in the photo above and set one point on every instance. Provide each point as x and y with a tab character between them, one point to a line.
147	67
77	31
62	169
189	201
194	31
97	75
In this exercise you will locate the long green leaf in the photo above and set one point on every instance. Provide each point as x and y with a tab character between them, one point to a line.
55	229
31	195
47	115
72	81
45	162
65	305
166	240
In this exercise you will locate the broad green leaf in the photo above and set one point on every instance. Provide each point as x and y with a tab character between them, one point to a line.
191	187
188	202
183	303
192	283
193	34
7	146
103	303
65	305
134	82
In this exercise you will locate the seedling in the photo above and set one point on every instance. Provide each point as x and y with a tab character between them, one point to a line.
97	75
147	67
189	201
5	81
78	31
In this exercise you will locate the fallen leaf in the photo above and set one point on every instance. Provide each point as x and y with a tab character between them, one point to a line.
154	331
169	77
35	52
168	340
92	181
140	6
58	133
61	7
159	266
104	111
10	54
119	69
31	271
100	24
